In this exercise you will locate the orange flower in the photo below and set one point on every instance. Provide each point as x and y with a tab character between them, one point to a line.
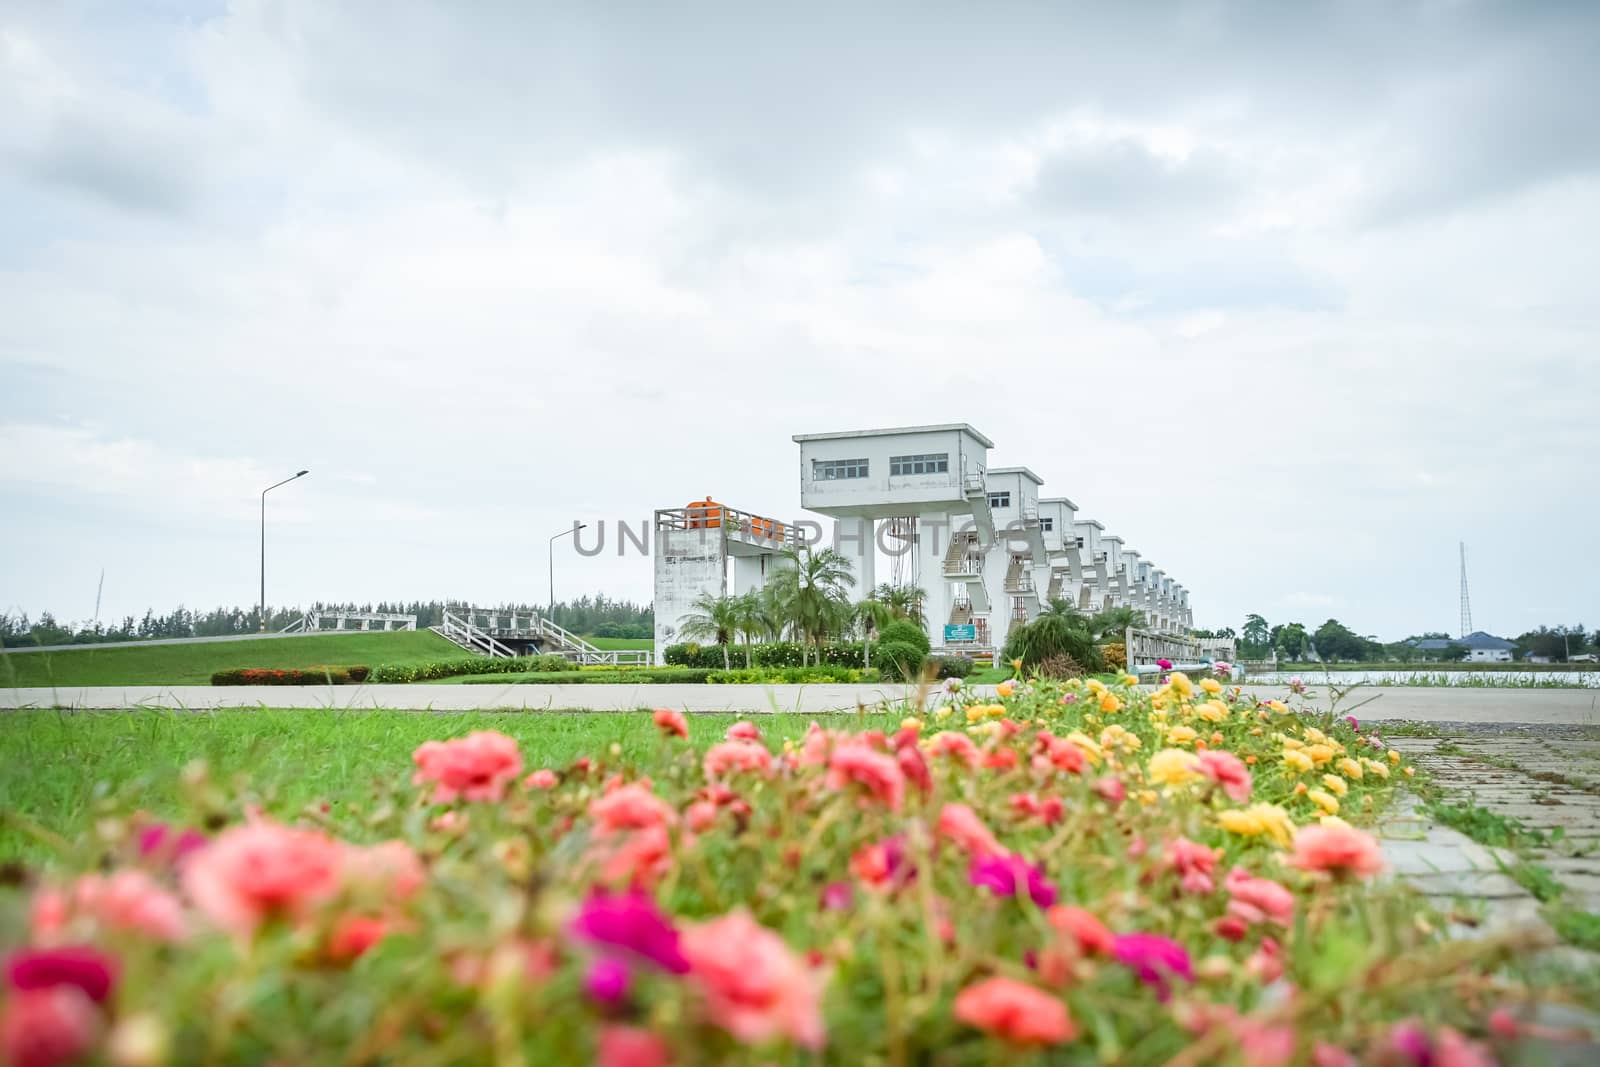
754	987
1337	849
1014	1012
1089	932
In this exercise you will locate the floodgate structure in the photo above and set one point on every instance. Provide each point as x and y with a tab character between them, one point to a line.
988	550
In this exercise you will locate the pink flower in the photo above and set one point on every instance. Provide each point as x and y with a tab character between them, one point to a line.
1193	863
86	969
879	773
352	935
1014	1012
754	987
1261	1045
631	1046
743	730
1048	811
727	757
1008	876
637	859
956	746
1111	789
1265	964
960	824
543	778
631	807
128	900
1342	851
914	766
476	767
671	723
837	896
1164	664
262	871
47	1027
1256	900
1409	1043
1155	959
1326	1055
631	923
1228	771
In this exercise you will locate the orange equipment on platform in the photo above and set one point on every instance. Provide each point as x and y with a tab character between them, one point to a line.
704	514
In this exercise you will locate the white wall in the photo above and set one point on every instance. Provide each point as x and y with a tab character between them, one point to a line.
687	563
879	493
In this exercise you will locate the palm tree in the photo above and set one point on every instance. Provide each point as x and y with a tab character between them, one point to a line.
1112	623
814	589
714	619
748	620
873	615
903	601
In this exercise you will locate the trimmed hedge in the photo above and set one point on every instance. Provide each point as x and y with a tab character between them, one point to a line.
767	654
951	666
401	673
652	676
827	672
354	675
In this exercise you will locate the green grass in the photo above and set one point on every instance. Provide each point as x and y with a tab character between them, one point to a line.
193	664
1575	927
621	644
294	759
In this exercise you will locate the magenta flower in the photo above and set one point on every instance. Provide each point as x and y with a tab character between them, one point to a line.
79	966
164	842
632	923
607	981
837	896
1155	959
1007	876
1164	664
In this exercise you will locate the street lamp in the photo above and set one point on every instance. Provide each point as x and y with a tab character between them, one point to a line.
264	492
579	526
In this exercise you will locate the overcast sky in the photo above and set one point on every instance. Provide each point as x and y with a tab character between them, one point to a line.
1292	297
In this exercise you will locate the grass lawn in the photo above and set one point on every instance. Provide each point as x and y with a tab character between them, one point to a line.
193	664
621	644
295	759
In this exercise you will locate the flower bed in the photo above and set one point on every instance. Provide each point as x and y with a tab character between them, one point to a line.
302	676
1072	872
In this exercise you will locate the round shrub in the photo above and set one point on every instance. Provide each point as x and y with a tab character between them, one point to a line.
900	659
902	631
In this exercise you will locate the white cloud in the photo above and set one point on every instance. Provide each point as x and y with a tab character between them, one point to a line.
515	268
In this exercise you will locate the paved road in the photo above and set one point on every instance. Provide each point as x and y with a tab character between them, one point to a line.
1541	706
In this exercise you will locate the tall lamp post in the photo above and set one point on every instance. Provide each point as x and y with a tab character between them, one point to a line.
580	526
264	492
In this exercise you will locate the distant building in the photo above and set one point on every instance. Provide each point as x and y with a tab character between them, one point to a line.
1481	647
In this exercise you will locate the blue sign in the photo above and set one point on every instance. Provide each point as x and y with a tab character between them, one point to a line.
964	632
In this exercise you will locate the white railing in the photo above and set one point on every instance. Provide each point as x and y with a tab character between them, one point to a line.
1145	647
311	622
463	632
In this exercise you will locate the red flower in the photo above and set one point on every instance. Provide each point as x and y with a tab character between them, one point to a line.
80	966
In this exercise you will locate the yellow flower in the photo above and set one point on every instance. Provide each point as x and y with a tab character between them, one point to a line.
1109	703
1180	684
1374	767
1211	685
1324	801
911	723
1320	754
1087	744
1214	711
976	712
1278	706
1181	735
944	713
1095	686
1315	736
1409	771
1173	766
1289	742
1129	680
1004	688
1335	784
1350	768
1016	664
997	711
1147	797
1296	762
1394	757
1300	789
1258	819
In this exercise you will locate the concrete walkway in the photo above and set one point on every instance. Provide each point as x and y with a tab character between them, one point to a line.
1532	706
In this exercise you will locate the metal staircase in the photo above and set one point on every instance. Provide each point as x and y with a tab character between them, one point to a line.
486	633
461	630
